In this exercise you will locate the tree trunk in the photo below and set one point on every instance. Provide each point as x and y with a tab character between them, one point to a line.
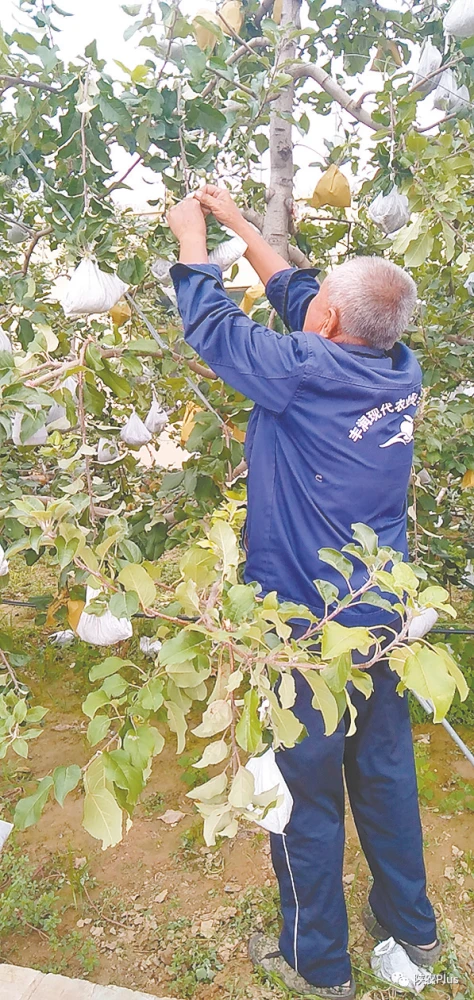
280	193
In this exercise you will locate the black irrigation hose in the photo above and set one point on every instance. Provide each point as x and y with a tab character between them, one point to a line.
186	618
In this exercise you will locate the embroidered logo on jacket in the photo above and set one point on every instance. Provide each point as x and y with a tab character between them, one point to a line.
405	434
363	424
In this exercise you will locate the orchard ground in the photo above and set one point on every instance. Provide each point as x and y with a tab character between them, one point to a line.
161	912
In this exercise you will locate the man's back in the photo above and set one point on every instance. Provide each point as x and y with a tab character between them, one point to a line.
329	443
339	454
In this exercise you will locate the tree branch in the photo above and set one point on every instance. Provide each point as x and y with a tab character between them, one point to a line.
83	425
15	81
327	83
278	216
121	179
265	8
253	43
29	252
295	255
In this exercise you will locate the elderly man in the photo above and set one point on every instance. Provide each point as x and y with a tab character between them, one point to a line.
329	443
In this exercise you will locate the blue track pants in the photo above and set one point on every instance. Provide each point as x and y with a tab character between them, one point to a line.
379	769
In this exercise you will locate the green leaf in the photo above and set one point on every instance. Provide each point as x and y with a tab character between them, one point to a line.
111	665
366	537
135	577
65	780
337	673
288	730
142	744
424	671
224	542
328	591
180	648
435	597
97	729
213	754
103	817
337	561
20	747
323	700
132	271
203	115
337	639
419	250
455	672
287	691
362	681
216	718
248	731
199	565
123	774
242	789
94	701
186	675
404	576
177	723
210	789
29	809
239	602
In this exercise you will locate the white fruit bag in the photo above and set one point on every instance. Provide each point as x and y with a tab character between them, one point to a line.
5	831
107	452
390	211
156	419
62	638
448	96
38	438
134	432
160	270
469	283
227	254
391	963
459	21
4	568
424	621
5	343
430	60
267	776
91	290
103	630
150	647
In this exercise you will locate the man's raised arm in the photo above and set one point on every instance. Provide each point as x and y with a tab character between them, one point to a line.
265	261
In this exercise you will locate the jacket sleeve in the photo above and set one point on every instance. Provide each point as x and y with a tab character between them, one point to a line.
290	293
263	365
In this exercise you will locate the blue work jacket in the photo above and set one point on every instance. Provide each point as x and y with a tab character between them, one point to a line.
329	441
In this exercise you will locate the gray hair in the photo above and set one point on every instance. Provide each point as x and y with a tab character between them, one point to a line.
375	299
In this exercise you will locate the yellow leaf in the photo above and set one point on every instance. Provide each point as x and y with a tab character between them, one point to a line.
387	52
188	423
277	11
53	607
251	297
467	479
120	313
237	433
231	16
74	612
332	189
205	37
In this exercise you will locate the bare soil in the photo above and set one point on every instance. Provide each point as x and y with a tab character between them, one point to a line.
164	912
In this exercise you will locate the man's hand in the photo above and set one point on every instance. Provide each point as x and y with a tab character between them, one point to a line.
220	202
186	220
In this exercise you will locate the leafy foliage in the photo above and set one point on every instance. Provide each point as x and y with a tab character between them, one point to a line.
198	104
